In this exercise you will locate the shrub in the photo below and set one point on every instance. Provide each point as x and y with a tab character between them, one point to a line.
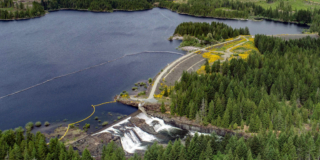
38	124
142	93
136	84
86	126
29	125
170	38
19	129
105	123
65	120
99	121
46	123
96	118
134	88
150	80
72	126
119	117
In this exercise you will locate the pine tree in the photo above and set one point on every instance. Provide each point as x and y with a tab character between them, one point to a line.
202	156
211	111
42	149
219	111
249	155
182	154
176	148
86	155
225	121
168	150
163	109
26	154
209	152
172	108
241	149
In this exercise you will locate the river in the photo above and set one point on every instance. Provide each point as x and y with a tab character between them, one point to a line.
34	51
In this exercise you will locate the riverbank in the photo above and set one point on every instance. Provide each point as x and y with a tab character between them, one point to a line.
73	9
253	18
182	122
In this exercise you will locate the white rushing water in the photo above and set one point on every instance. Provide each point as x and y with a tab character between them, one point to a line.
156	127
144	135
130	142
134	138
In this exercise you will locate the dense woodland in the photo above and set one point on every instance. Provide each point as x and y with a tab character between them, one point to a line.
315	25
21	12
264	145
14	145
237	9
97	5
209	32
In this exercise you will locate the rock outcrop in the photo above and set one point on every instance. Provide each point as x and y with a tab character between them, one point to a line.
187	124
141	123
95	143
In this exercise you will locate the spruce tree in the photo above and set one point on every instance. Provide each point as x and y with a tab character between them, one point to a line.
208	151
86	155
182	154
163	109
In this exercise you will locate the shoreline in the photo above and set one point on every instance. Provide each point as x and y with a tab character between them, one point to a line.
182	122
236	19
186	14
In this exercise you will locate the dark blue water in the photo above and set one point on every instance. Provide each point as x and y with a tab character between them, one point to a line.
33	51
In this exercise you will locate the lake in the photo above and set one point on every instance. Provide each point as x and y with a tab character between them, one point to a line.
62	42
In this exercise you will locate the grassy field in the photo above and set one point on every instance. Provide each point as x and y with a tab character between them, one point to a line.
296	4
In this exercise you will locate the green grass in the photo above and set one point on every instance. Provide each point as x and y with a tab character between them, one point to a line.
8	9
296	4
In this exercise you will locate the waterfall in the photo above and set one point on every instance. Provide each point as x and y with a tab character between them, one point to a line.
144	136
130	142
156	127
134	138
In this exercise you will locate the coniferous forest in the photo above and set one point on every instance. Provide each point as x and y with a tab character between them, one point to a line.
216	29
277	89
97	5
264	145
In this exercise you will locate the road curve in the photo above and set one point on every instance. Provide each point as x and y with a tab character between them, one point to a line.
156	82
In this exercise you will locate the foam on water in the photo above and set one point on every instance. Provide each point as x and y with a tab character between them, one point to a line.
130	142
113	130
157	127
144	136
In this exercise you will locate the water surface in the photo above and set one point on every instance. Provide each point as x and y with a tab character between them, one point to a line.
33	51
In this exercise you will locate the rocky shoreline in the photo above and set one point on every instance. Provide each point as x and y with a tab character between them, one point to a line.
181	122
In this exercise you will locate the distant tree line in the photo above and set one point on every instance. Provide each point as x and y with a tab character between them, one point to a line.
237	9
206	31
36	11
6	3
97	5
